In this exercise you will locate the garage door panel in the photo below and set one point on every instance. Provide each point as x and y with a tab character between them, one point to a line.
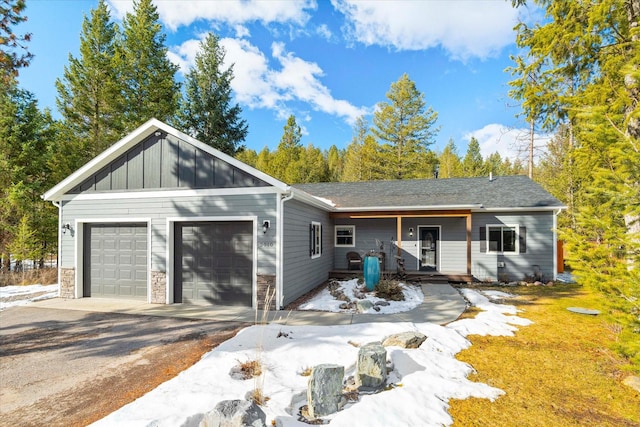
214	262
116	260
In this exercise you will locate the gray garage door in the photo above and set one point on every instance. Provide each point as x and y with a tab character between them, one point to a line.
214	262
115	260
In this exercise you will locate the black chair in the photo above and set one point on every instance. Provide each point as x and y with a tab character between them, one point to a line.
354	261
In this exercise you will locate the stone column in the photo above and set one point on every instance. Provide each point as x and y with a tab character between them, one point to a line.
266	283
67	283
158	287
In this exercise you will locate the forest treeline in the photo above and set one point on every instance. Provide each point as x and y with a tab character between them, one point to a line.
576	77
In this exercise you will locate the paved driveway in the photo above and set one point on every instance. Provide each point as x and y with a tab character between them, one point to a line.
68	367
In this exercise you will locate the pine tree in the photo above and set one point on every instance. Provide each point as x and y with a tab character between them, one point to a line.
25	133
150	89
206	111
472	164
247	156
285	160
89	94
449	162
585	58
406	126
13	53
353	167
335	160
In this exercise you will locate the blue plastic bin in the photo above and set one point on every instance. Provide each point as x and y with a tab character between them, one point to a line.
371	272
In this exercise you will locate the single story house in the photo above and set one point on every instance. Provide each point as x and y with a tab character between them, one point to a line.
162	217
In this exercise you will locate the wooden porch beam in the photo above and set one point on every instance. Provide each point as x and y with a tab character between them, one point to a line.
404	214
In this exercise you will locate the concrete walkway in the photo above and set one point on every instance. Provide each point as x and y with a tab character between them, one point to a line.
442	304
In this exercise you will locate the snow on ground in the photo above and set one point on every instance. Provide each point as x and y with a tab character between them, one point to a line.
11	296
413	297
425	378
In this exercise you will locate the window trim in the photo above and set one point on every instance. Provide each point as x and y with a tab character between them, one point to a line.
353	236
315	240
515	227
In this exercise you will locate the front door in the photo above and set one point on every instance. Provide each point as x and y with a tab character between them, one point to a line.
428	247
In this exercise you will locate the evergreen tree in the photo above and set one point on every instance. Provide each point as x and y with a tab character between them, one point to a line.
312	166
286	159
150	89
24	174
89	94
263	161
248	156
472	164
406	126
206	111
335	160
353	167
585	58
449	162
13	50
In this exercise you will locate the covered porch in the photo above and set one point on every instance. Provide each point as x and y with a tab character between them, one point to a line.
433	245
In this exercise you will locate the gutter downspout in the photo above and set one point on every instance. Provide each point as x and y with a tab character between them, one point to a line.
555	244
284	197
59	206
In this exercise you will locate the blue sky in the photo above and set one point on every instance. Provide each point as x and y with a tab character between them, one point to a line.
326	62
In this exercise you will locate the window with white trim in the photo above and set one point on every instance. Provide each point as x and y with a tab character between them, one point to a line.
345	235
502	238
315	239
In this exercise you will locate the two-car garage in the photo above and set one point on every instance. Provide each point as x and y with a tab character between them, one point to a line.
212	261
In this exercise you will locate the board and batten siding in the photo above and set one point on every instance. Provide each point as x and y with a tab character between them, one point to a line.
158	209
301	273
166	162
539	247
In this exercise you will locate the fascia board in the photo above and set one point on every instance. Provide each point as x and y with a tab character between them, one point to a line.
409	208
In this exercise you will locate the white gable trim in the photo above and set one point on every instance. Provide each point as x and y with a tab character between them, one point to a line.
133	138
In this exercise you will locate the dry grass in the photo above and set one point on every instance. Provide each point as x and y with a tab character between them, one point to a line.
39	276
559	371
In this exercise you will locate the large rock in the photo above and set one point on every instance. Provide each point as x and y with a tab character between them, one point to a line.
410	339
371	366
364	305
324	392
235	413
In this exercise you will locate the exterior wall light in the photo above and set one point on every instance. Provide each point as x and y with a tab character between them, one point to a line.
66	227
266	224
411	232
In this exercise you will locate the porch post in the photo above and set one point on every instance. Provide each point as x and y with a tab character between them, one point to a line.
469	244
399	231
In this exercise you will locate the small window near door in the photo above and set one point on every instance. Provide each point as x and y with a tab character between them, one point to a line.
345	236
502	239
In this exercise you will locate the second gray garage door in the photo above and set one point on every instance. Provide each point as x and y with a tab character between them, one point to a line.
214	262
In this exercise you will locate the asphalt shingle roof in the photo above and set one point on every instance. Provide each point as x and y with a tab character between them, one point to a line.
501	192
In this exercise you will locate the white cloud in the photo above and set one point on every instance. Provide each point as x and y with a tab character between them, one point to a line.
176	13
259	85
465	29
512	143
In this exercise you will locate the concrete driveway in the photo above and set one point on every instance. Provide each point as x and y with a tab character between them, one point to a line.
70	367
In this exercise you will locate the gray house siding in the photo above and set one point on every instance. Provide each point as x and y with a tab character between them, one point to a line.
301	272
451	249
157	210
539	247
